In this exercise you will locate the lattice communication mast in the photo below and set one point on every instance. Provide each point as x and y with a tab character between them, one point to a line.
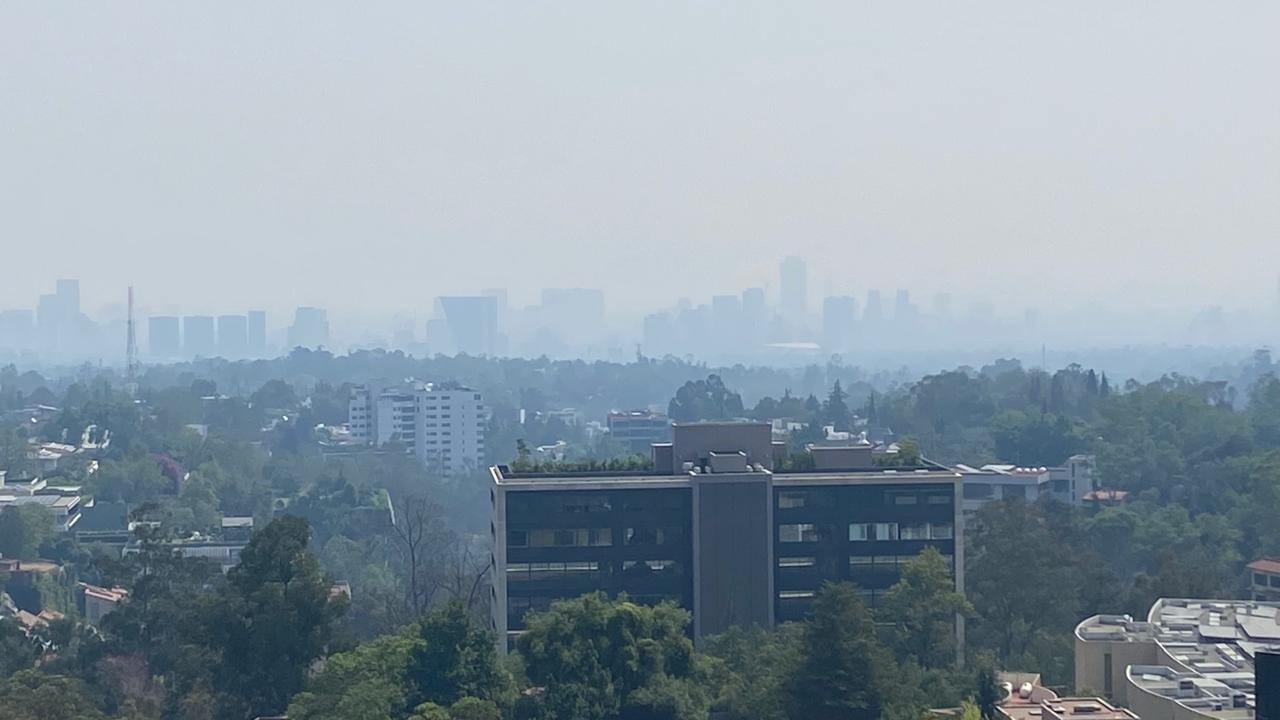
131	351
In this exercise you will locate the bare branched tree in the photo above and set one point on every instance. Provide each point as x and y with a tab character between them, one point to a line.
424	542
469	565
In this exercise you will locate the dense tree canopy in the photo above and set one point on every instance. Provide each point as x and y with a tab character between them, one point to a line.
597	659
1199	459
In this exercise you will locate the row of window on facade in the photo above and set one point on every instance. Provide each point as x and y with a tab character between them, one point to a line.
986	491
803	597
856	562
531	572
1265	580
864	532
594	537
597	503
790	499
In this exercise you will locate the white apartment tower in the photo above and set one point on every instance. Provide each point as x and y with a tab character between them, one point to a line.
443	426
451	424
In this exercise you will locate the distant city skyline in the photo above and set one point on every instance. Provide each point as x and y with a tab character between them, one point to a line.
784	322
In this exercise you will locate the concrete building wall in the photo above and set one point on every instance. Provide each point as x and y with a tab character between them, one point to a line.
733	552
1101	666
498	576
694	442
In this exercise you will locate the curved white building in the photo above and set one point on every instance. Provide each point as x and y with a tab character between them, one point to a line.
1190	659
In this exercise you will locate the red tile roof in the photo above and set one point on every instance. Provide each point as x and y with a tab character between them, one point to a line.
1266	565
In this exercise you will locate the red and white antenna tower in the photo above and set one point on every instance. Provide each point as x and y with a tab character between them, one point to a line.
131	351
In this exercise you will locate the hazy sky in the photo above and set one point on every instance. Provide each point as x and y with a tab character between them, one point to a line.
374	155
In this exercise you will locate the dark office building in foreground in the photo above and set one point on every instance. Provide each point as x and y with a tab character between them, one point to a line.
714	528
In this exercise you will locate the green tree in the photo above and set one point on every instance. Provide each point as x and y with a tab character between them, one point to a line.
159	620
13	451
275	619
275	394
921	610
18	651
24	529
705	400
34	695
455	658
1264	410
845	672
429	711
1004	535
989	693
755	664
136	479
366	683
836	409
592	655
471	708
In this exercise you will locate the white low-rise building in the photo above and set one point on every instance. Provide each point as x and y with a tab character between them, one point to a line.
1070	482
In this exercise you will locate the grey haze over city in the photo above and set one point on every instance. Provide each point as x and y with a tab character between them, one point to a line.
1009	178
729	360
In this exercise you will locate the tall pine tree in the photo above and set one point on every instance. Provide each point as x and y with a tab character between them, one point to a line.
846	671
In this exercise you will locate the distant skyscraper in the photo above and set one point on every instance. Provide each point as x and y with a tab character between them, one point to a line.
59	325
794	296
48	320
68	292
163	337
257	331
310	328
438	338
942	306
874	311
755	317
903	310
472	322
838	317
17	328
504	307
198	336
574	315
659	335
233	336
726	323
